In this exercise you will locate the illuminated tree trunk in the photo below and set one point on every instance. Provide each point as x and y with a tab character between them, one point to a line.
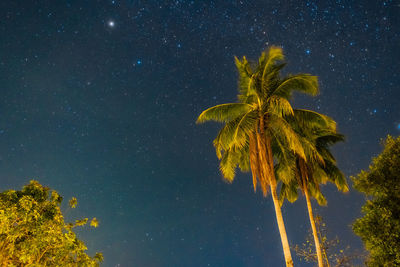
281	225
314	229
266	152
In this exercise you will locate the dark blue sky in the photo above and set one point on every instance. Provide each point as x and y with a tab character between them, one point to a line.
98	100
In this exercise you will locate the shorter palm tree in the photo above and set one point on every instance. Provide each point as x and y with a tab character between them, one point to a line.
317	133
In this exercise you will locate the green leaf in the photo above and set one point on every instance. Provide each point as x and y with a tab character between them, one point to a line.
223	112
279	106
73	202
245	74
275	55
243	128
282	131
313	120
94	222
303	83
81	222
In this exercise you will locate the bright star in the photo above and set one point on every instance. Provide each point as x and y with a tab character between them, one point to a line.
111	23
308	51
137	63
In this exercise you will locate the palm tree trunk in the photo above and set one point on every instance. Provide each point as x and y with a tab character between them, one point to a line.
281	226
314	229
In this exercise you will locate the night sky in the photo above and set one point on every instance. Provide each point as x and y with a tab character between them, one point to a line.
98	100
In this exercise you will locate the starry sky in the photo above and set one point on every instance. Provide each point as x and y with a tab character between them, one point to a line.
98	100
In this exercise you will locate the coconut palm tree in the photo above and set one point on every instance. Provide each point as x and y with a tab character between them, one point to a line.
317	132
258	122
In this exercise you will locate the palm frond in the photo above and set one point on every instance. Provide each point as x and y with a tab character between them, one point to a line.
246	79
269	69
243	128
308	119
303	83
224	138
336	176
272	79
223	112
244	160
279	106
312	153
323	142
261	61
289	192
316	193
281	152
319	175
329	138
236	132
249	99
228	163
245	74
285	172
326	154
282	131
275	55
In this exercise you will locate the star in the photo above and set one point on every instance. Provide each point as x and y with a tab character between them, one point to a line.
111	23
137	63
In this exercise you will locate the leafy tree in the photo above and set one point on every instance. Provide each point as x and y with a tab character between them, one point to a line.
258	122
317	134
33	231
379	229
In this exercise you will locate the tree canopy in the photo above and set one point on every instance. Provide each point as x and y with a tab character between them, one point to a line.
320	166
33	231
258	122
380	227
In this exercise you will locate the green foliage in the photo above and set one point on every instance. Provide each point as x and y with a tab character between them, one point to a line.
73	202
33	232
380	227
224	112
263	111
317	132
94	223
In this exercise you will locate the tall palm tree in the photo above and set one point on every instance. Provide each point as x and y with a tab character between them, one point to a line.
317	134
259	121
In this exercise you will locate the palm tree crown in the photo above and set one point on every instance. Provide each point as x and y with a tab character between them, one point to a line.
320	166
262	109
